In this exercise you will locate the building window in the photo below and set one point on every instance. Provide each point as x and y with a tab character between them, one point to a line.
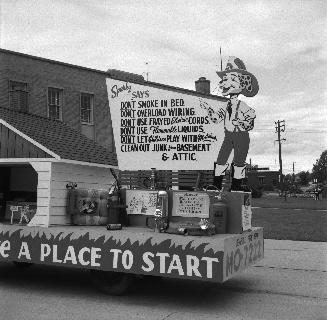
18	96
87	108
261	180
55	103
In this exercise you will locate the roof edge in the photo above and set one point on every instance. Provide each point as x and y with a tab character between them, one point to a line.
29	139
114	75
25	160
91	164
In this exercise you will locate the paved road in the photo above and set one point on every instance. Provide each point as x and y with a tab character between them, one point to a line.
290	283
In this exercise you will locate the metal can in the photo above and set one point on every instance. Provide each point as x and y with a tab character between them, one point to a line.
114	226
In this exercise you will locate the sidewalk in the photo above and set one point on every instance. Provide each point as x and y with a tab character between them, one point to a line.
302	255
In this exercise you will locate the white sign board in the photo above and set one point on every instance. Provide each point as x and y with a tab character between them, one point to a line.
141	202
246	217
163	129
190	204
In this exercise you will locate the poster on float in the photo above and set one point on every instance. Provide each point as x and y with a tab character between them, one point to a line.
163	128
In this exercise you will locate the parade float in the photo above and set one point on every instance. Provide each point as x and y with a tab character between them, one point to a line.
77	211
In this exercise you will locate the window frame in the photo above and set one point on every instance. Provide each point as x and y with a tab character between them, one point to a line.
91	95
61	99
26	84
261	179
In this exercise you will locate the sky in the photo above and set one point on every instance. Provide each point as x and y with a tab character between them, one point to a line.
283	43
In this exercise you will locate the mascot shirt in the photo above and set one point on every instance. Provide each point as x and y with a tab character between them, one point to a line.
240	112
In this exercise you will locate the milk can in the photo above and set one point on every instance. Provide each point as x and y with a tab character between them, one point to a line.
161	213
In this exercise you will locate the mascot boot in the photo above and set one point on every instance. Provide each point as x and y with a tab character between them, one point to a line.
220	171
239	174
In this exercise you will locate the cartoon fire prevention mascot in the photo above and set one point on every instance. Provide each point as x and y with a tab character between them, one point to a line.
238	120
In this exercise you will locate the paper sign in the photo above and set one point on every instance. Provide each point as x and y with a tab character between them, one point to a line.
141	202
191	204
246	217
169	129
246	212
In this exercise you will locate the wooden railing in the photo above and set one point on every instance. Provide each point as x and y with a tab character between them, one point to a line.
184	179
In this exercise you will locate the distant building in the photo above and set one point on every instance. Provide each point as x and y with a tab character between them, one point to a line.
262	178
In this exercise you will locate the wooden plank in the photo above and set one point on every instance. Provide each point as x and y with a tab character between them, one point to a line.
25	149
19	147
79	179
58	185
43	184
60	220
80	169
58	211
178	178
43	193
4	142
58	202
42	202
11	144
44	176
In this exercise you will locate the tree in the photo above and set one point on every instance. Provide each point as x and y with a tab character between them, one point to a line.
304	177
319	170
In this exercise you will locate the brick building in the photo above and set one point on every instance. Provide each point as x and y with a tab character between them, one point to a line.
68	93
266	179
71	94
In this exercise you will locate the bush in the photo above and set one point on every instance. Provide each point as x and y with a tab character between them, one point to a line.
256	192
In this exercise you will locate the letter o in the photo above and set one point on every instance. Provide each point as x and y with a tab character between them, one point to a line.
127	259
240	257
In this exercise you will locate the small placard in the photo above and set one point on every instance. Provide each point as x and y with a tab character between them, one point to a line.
141	202
246	217
191	204
246	213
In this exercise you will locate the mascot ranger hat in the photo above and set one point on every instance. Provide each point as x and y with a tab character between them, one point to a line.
249	82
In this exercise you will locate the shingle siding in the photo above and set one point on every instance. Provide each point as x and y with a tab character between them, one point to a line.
41	74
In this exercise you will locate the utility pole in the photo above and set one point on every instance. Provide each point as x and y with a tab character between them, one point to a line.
293	172
280	127
147	71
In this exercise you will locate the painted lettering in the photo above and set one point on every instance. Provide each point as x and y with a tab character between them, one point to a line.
149	263
175	264
5	246
24	251
127	259
192	266
238	256
81	257
115	90
162	256
70	255
55	254
95	254
45	251
116	253
209	261
229	263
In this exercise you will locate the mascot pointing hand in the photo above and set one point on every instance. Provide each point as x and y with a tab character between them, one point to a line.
238	120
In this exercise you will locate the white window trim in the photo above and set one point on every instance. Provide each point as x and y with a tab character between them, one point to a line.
62	102
91	123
